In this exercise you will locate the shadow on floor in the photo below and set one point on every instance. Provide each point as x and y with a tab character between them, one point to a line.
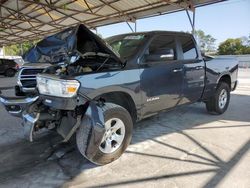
221	168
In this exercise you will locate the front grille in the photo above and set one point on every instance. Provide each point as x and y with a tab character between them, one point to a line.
29	83
31	71
27	77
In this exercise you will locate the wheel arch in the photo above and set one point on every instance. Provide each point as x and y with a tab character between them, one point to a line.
226	78
120	98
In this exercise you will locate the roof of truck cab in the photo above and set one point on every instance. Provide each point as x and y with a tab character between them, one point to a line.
151	33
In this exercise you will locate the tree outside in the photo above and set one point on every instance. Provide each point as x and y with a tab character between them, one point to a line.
19	49
236	46
206	41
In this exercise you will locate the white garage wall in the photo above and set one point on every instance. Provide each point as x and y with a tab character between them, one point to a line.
244	60
1	51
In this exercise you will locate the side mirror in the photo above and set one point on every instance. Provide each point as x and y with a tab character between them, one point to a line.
205	57
167	56
161	55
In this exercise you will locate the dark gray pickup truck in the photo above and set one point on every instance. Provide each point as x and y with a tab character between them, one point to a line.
97	90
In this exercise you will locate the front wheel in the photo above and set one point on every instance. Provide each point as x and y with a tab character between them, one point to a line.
118	126
218	104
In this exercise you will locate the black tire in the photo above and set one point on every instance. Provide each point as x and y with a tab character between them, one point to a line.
110	111
10	73
212	105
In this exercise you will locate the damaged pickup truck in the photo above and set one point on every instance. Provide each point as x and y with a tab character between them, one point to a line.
79	85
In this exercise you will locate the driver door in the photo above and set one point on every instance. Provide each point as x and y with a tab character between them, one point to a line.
161	75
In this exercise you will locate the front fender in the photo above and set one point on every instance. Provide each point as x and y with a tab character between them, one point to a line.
91	131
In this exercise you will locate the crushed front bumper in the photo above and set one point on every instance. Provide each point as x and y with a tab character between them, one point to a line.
16	105
94	129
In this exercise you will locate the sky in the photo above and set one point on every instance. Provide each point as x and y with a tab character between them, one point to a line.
229	19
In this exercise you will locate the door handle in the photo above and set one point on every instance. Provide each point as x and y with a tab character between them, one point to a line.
199	67
177	70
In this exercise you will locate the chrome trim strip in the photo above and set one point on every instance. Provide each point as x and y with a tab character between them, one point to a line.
21	77
22	103
18	101
33	78
29	123
28	89
15	113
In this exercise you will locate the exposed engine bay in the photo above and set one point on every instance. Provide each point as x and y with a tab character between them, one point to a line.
84	63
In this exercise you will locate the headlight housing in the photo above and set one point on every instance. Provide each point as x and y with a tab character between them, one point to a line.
53	86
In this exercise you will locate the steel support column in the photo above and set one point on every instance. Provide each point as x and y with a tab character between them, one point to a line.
191	20
130	27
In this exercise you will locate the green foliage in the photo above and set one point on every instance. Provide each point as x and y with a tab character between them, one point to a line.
236	46
12	50
206	42
19	49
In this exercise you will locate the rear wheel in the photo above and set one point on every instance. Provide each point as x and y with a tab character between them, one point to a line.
118	126
218	104
10	73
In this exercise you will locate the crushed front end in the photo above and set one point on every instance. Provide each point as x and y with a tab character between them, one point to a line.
58	106
50	97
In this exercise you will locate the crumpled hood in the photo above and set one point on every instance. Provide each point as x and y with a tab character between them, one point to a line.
65	44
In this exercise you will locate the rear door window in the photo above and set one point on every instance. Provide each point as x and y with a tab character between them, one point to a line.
188	47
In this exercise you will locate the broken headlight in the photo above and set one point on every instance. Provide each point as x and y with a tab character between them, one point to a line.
57	87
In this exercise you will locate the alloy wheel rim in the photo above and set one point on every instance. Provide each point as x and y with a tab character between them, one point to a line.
222	99
114	135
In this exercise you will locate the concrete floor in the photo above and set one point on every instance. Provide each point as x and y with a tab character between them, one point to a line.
183	148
